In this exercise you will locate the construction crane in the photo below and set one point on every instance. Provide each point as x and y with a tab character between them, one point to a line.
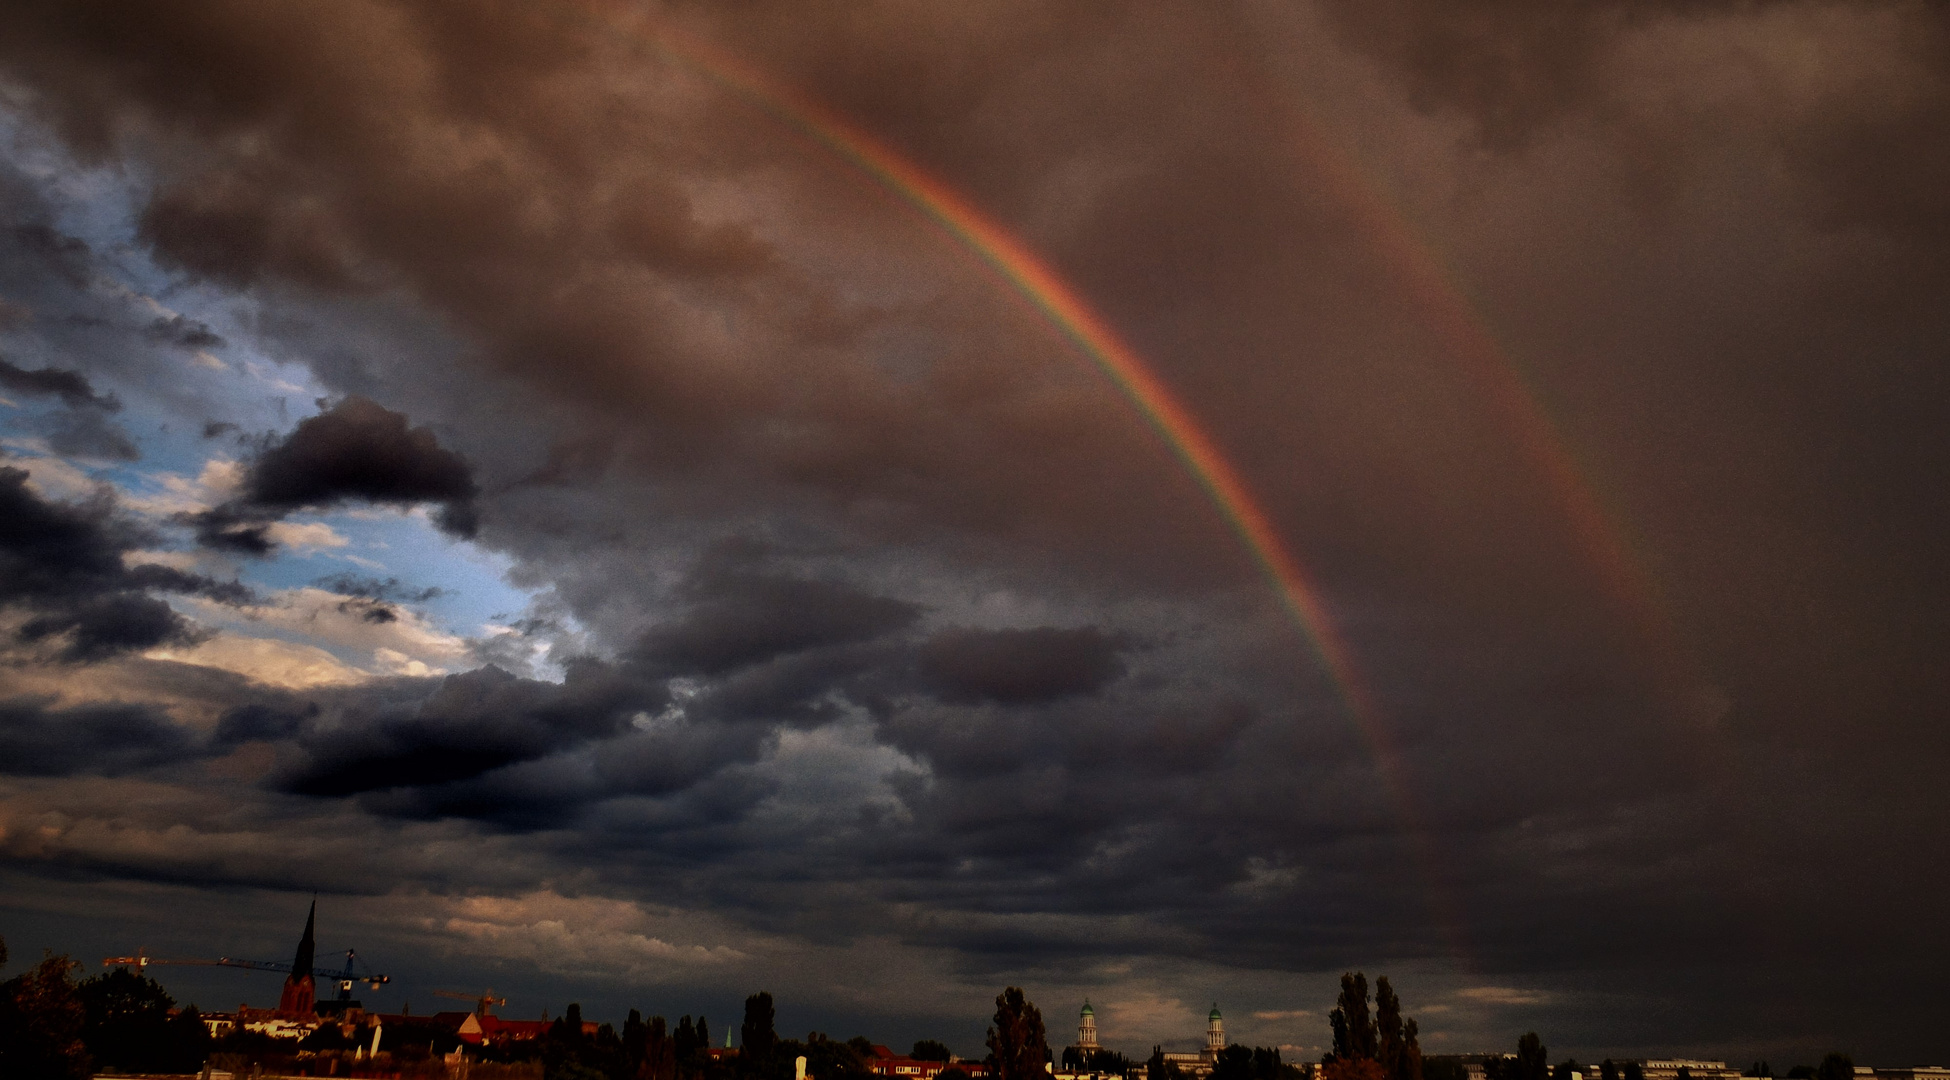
483	1001
345	977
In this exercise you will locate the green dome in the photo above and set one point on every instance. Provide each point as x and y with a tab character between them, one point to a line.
1215	1011
1087	1010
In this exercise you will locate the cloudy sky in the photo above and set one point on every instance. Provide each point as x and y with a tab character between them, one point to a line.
593	489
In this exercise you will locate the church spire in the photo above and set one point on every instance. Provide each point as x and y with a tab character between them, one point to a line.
300	990
302	963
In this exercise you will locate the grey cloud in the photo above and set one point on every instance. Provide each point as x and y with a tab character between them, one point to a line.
87	433
1017	666
745	618
356	450
37	740
63	564
71	386
183	332
67	256
470	725
261	720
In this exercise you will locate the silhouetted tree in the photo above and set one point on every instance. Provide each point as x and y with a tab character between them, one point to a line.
1157	1068
684	1040
41	1021
130	1026
1760	1068
1388	1034
1836	1066
1235	1063
1634	1071
756	1037
1381	1046
568	1026
1563	1070
1396	1049
1607	1070
1017	1044
1533	1059
1354	1031
829	1059
635	1036
930	1050
659	1052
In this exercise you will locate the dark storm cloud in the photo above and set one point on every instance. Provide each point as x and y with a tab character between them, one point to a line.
71	387
746	618
1017	666
356	450
472	724
372	588
62	564
183	332
372	599
87	433
360	450
262	721
84	430
36	740
66	256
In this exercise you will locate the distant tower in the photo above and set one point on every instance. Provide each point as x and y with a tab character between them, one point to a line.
1215	1032
1087	1028
300	990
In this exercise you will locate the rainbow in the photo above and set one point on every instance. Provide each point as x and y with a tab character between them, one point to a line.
1039	283
1514	400
1046	290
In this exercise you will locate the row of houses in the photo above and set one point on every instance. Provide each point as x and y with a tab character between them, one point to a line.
1684	1069
472	1028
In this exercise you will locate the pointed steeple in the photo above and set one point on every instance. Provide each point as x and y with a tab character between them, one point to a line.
301	964
300	990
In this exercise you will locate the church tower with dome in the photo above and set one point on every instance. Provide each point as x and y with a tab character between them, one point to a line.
1215	1035
1087	1029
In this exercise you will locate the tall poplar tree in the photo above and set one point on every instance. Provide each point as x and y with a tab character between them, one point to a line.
757	1036
1533	1059
1017	1044
1354	1030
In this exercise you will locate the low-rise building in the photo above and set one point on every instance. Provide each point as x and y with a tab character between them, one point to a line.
1695	1068
885	1062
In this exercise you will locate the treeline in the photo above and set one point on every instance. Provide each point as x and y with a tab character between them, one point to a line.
655	1050
1371	1044
53	1028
